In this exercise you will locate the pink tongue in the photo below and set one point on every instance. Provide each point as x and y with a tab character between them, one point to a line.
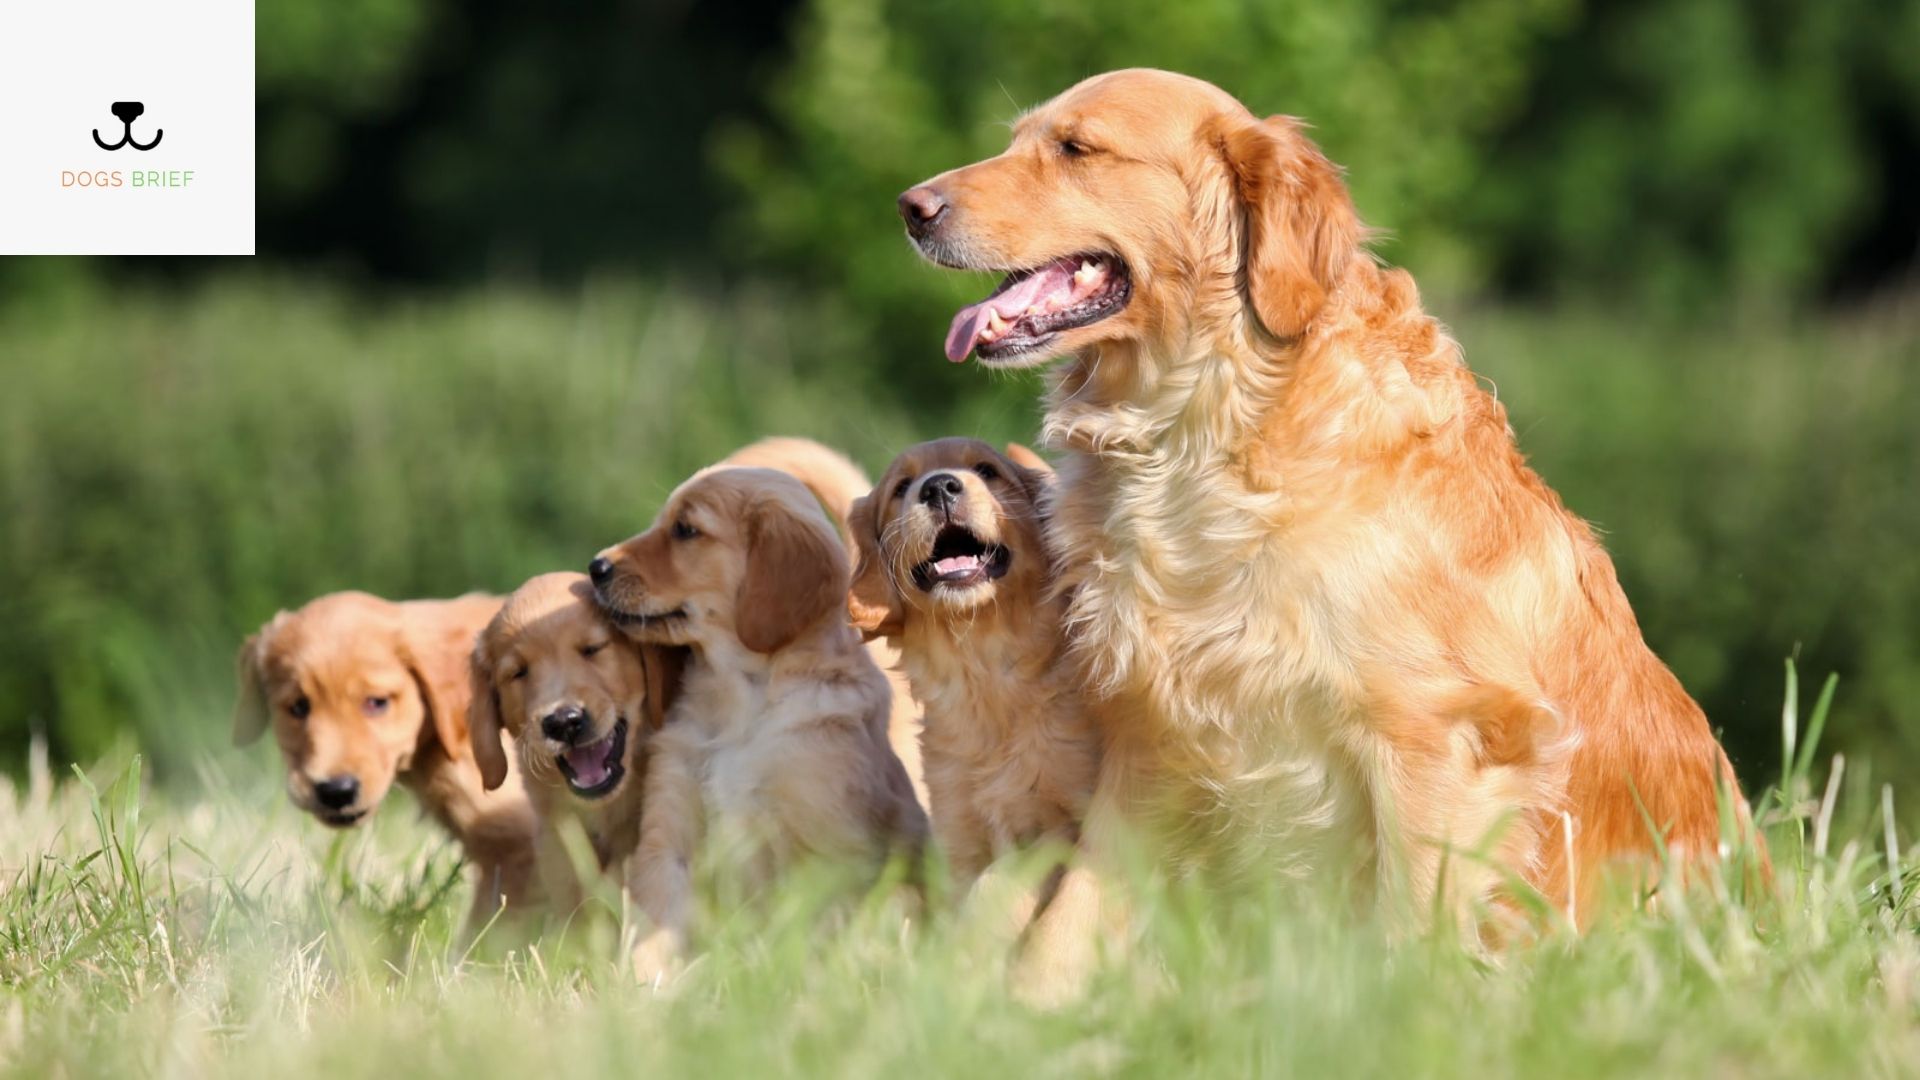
964	334
589	763
955	563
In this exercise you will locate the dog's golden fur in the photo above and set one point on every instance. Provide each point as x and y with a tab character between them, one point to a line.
778	744
548	649
1010	753
837	483
361	687
1336	621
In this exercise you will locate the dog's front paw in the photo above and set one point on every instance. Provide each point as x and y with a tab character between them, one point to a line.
1050	978
656	957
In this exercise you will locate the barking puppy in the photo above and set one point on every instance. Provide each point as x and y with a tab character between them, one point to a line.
1335	620
576	702
363	692
778	741
953	567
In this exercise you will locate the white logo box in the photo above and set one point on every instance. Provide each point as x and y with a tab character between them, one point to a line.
63	65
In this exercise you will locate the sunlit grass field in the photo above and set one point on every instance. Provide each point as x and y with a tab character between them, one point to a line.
224	935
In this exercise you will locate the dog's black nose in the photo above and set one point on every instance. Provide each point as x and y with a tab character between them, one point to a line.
128	111
600	570
564	724
337	792
922	208
941	490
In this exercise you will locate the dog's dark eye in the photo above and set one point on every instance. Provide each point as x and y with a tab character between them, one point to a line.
986	471
376	704
518	674
300	708
900	489
588	651
683	530
1074	148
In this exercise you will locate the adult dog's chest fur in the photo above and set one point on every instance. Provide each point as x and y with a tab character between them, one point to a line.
1205	628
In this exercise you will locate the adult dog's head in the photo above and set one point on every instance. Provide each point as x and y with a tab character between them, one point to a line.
739	557
576	696
354	688
952	528
1138	207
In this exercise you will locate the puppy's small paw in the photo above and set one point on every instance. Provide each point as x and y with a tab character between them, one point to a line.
1049	977
656	958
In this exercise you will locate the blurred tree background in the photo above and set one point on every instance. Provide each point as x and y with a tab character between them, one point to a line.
523	266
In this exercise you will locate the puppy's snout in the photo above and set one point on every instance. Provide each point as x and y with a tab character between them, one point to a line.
923	209
337	792
600	570
941	491
565	724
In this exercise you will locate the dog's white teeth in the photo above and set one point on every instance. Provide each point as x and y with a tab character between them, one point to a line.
995	324
1088	273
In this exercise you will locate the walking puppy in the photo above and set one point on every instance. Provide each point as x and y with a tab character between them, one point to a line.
567	702
362	693
777	744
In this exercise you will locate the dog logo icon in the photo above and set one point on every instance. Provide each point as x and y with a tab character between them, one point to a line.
128	112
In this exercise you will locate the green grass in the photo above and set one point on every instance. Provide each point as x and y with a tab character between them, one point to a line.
224	935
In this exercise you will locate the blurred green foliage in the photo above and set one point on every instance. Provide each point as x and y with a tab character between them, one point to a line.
177	467
1674	186
1676	154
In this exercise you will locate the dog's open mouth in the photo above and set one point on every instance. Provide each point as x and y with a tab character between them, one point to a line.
595	769
1032	307
340	819
961	560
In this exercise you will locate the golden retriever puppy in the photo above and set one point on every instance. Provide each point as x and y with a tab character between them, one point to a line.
954	568
362	693
1334	619
777	745
567	702
837	483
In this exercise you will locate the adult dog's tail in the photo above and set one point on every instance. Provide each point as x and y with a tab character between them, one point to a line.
832	478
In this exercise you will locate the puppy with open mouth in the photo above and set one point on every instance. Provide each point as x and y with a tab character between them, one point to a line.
579	700
777	748
953	567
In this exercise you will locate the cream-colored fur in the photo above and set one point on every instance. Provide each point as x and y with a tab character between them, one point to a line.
777	748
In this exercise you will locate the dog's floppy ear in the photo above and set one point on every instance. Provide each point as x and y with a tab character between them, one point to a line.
663	665
438	661
796	575
1302	229
483	717
873	604
250	701
1024	457
1034	474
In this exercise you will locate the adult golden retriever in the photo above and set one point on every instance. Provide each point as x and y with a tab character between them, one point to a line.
1337	623
777	745
362	693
